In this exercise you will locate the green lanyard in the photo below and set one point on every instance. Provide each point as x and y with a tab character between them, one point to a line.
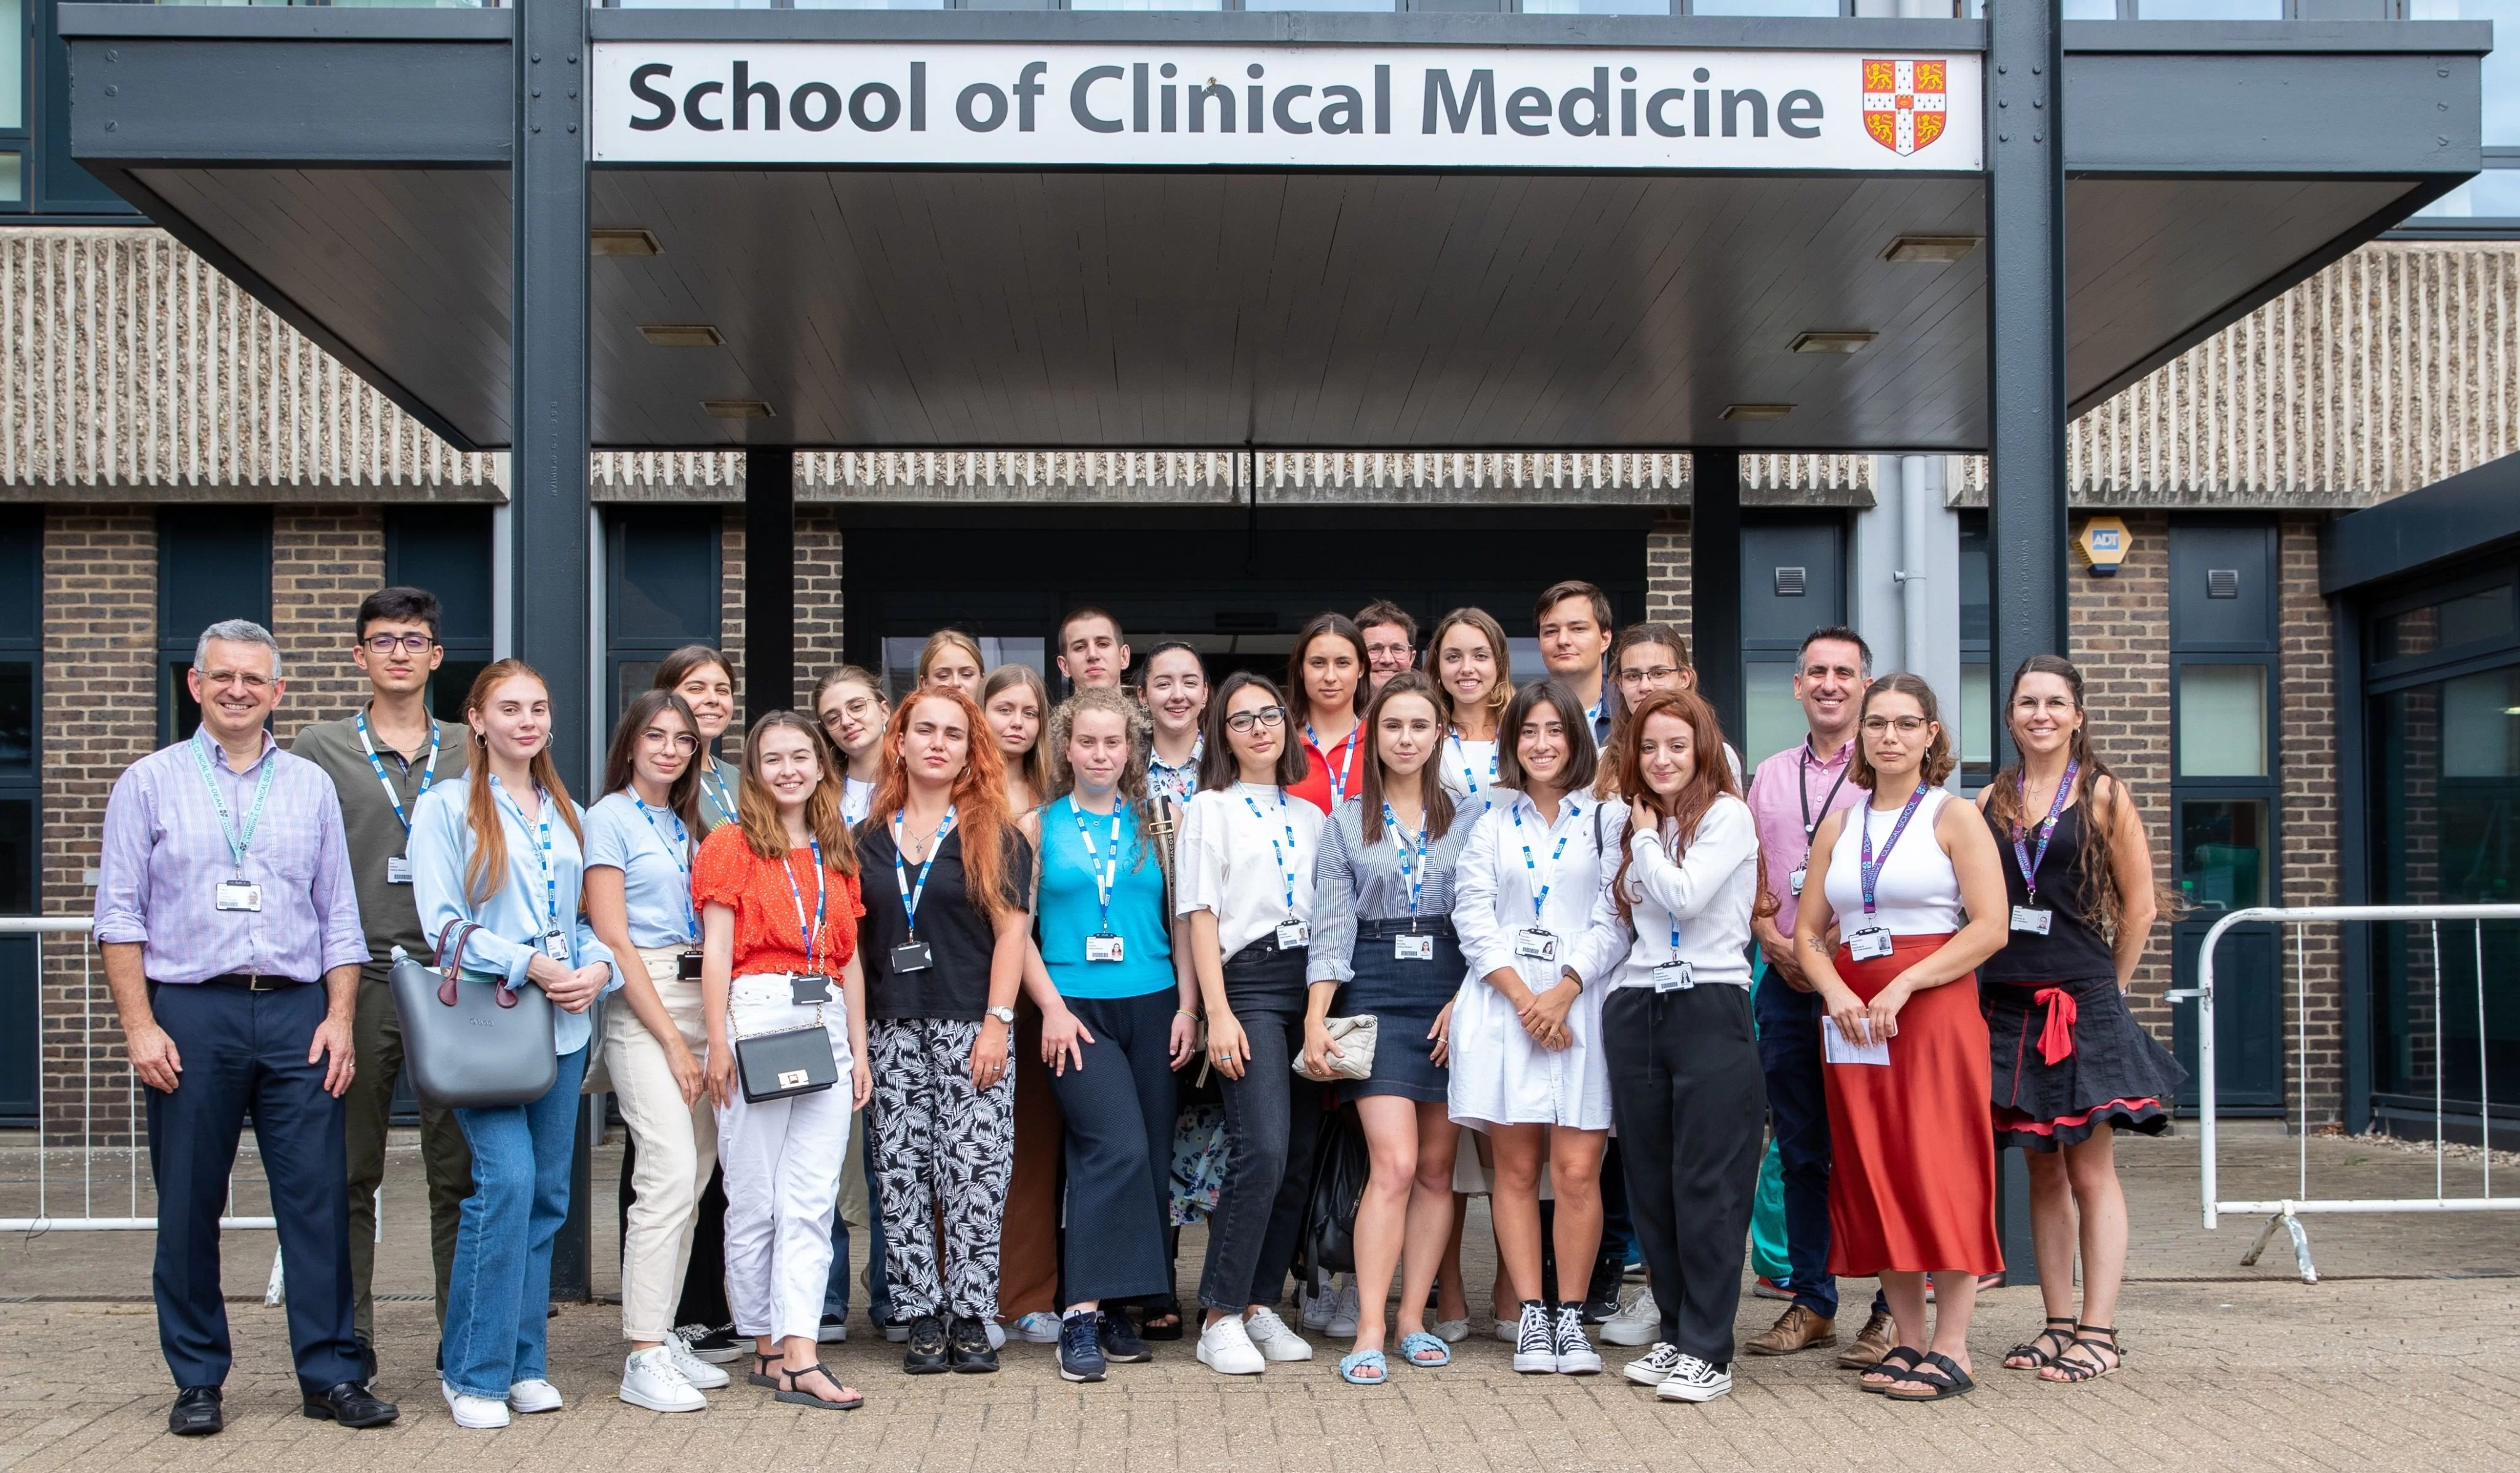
238	840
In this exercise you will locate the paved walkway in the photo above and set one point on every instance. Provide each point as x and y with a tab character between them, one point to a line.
2228	1368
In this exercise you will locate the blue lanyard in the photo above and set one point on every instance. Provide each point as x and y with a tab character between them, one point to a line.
813	933
1285	869
1106	872
681	850
1675	918
239	841
713	788
1870	873
1347	764
910	893
377	763
1540	891
1412	858
1470	774
551	880
2021	854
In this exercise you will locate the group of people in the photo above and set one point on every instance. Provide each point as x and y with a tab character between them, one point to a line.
1543	940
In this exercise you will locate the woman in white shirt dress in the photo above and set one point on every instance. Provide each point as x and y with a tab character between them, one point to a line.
1525	1043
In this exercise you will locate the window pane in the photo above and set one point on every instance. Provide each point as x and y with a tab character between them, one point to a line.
13	179
2223	720
16	713
665	580
1977	587
1775	717
2494	195
2209	10
2481	616
183	713
2501	66
1764	8
2478	725
1150	5
452	683
17	855
1596	7
13	65
1356	4
1977	715
2223	853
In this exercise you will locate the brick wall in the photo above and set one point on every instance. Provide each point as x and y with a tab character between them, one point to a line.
818	597
323	559
1667	573
2307	868
2119	634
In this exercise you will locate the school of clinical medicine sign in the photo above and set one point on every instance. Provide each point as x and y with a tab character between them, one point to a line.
845	104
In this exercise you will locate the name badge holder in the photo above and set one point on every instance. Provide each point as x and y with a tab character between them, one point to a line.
397	870
1871	942
2033	918
1536	941
1794	878
912	954
236	893
554	944
1674	976
398	866
1294	933
1411	947
686	966
1537	944
1104	945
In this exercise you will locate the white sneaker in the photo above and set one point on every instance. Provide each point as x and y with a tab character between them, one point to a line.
1693	1380
702	1375
1036	1328
1639	1322
1450	1331
478	1412
998	1334
1344	1310
1314	1303
1226	1347
1505	1330
650	1379
1276	1342
530	1397
1534	1342
1656	1364
1574	1353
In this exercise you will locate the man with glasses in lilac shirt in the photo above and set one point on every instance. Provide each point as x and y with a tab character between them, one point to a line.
230	929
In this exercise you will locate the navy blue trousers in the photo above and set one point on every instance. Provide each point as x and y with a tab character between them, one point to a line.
247	1051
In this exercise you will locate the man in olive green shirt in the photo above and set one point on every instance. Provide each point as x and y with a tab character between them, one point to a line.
380	759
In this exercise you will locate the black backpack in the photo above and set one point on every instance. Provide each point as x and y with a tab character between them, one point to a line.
1340	1168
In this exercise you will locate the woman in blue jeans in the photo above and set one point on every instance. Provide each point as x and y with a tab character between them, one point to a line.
502	847
1246	885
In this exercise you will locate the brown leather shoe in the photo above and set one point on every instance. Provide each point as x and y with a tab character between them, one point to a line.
1869	1347
1796	1329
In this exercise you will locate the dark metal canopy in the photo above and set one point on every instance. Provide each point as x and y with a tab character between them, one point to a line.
350	167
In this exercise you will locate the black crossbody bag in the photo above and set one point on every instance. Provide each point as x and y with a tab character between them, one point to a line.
784	1062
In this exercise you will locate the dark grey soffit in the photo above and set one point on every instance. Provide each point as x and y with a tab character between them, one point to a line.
2448	520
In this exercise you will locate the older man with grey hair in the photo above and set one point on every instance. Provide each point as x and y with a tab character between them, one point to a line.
232	944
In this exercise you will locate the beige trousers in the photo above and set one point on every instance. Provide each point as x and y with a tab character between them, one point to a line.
677	1148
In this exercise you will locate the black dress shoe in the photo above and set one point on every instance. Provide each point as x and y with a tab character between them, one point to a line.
196	1412
967	1342
925	1355
352	1406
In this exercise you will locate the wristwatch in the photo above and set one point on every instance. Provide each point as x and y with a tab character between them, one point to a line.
1006	1015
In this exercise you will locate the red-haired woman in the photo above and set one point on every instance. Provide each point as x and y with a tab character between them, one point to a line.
945	953
1685	1083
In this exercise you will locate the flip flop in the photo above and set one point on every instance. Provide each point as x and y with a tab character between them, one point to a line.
1417	1343
1352	1366
1940	1372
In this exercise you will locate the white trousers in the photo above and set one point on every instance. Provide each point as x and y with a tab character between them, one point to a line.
782	1174
677	1146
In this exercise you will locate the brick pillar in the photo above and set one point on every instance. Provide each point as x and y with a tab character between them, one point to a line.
2306	870
2118	633
818	597
323	559
1667	570
730	638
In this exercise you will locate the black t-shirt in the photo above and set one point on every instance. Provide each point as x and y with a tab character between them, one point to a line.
959	937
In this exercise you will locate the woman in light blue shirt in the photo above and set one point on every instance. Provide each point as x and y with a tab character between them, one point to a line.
502	847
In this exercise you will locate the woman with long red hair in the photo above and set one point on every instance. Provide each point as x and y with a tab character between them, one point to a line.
944	954
1685	1083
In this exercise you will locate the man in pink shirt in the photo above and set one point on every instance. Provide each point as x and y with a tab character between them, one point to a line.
1789	794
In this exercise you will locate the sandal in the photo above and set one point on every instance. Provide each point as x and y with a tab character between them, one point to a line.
1353	1367
1942	1378
797	1397
1890	1368
1417	1345
2065	1370
1162	1321
765	1370
2034	1352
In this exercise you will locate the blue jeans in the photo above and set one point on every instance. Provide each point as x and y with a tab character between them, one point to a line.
835	1299
497	1296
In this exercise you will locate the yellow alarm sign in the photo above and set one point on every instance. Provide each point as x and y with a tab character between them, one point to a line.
2102	545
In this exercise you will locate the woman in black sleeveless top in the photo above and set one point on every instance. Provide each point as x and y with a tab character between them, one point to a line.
2072	1066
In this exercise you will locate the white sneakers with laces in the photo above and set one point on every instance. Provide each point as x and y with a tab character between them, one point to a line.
702	1375
1655	1365
1039	1327
1344	1310
1275	1340
650	1379
1573	1351
1226	1347
1639	1324
530	1397
1693	1380
480	1414
1534	1342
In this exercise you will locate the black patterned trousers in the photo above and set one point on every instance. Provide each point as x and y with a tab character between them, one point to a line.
939	1147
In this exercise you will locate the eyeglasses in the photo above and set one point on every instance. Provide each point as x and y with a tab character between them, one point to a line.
1387	651
1653	677
244	679
680	742
387	644
1907	726
1265	716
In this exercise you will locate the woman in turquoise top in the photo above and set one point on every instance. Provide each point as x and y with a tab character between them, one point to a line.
1122	1019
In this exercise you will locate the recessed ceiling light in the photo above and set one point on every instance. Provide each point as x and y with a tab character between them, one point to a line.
1832	342
681	335
1757	411
1931	251
622	240
735	408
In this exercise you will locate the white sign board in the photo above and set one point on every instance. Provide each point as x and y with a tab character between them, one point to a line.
844	103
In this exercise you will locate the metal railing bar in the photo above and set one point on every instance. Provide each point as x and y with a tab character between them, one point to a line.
2484	1080
2440	1059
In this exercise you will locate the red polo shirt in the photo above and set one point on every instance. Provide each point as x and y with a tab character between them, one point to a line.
1344	761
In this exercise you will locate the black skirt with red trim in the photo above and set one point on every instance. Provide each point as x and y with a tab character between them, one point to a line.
2069	1059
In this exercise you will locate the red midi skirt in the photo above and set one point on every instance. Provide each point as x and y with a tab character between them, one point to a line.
1912	1182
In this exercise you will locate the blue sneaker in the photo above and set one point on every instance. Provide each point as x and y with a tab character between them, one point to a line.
1080	1347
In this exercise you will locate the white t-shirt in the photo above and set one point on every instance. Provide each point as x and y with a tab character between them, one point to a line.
1468	772
855	798
1234	861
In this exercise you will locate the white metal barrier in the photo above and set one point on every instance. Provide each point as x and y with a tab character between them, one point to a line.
2286	1213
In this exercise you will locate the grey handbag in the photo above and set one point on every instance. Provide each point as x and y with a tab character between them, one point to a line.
783	1062
470	1041
1356	1038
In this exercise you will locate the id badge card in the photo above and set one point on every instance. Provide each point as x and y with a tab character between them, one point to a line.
911	957
1795	878
2032	918
398	870
1102	947
1869	943
237	894
1294	934
1674	976
555	946
686	966
1413	948
1535	943
809	991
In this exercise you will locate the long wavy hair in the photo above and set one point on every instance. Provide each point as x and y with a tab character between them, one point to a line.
2096	879
764	833
978	794
684	795
1500	694
1710	778
1939	760
1634	636
1034	765
1135	724
489	866
1437	798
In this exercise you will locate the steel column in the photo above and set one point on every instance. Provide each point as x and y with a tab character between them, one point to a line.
547	472
1715	583
769	580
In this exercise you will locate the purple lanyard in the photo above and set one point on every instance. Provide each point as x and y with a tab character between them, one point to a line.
2022	854
1870	871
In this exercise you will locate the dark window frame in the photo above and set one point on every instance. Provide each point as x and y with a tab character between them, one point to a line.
175	644
619	648
22	539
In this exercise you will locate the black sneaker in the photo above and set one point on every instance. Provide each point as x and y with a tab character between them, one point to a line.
1080	1348
1601	1296
715	1344
1121	1343
926	1354
967	1342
